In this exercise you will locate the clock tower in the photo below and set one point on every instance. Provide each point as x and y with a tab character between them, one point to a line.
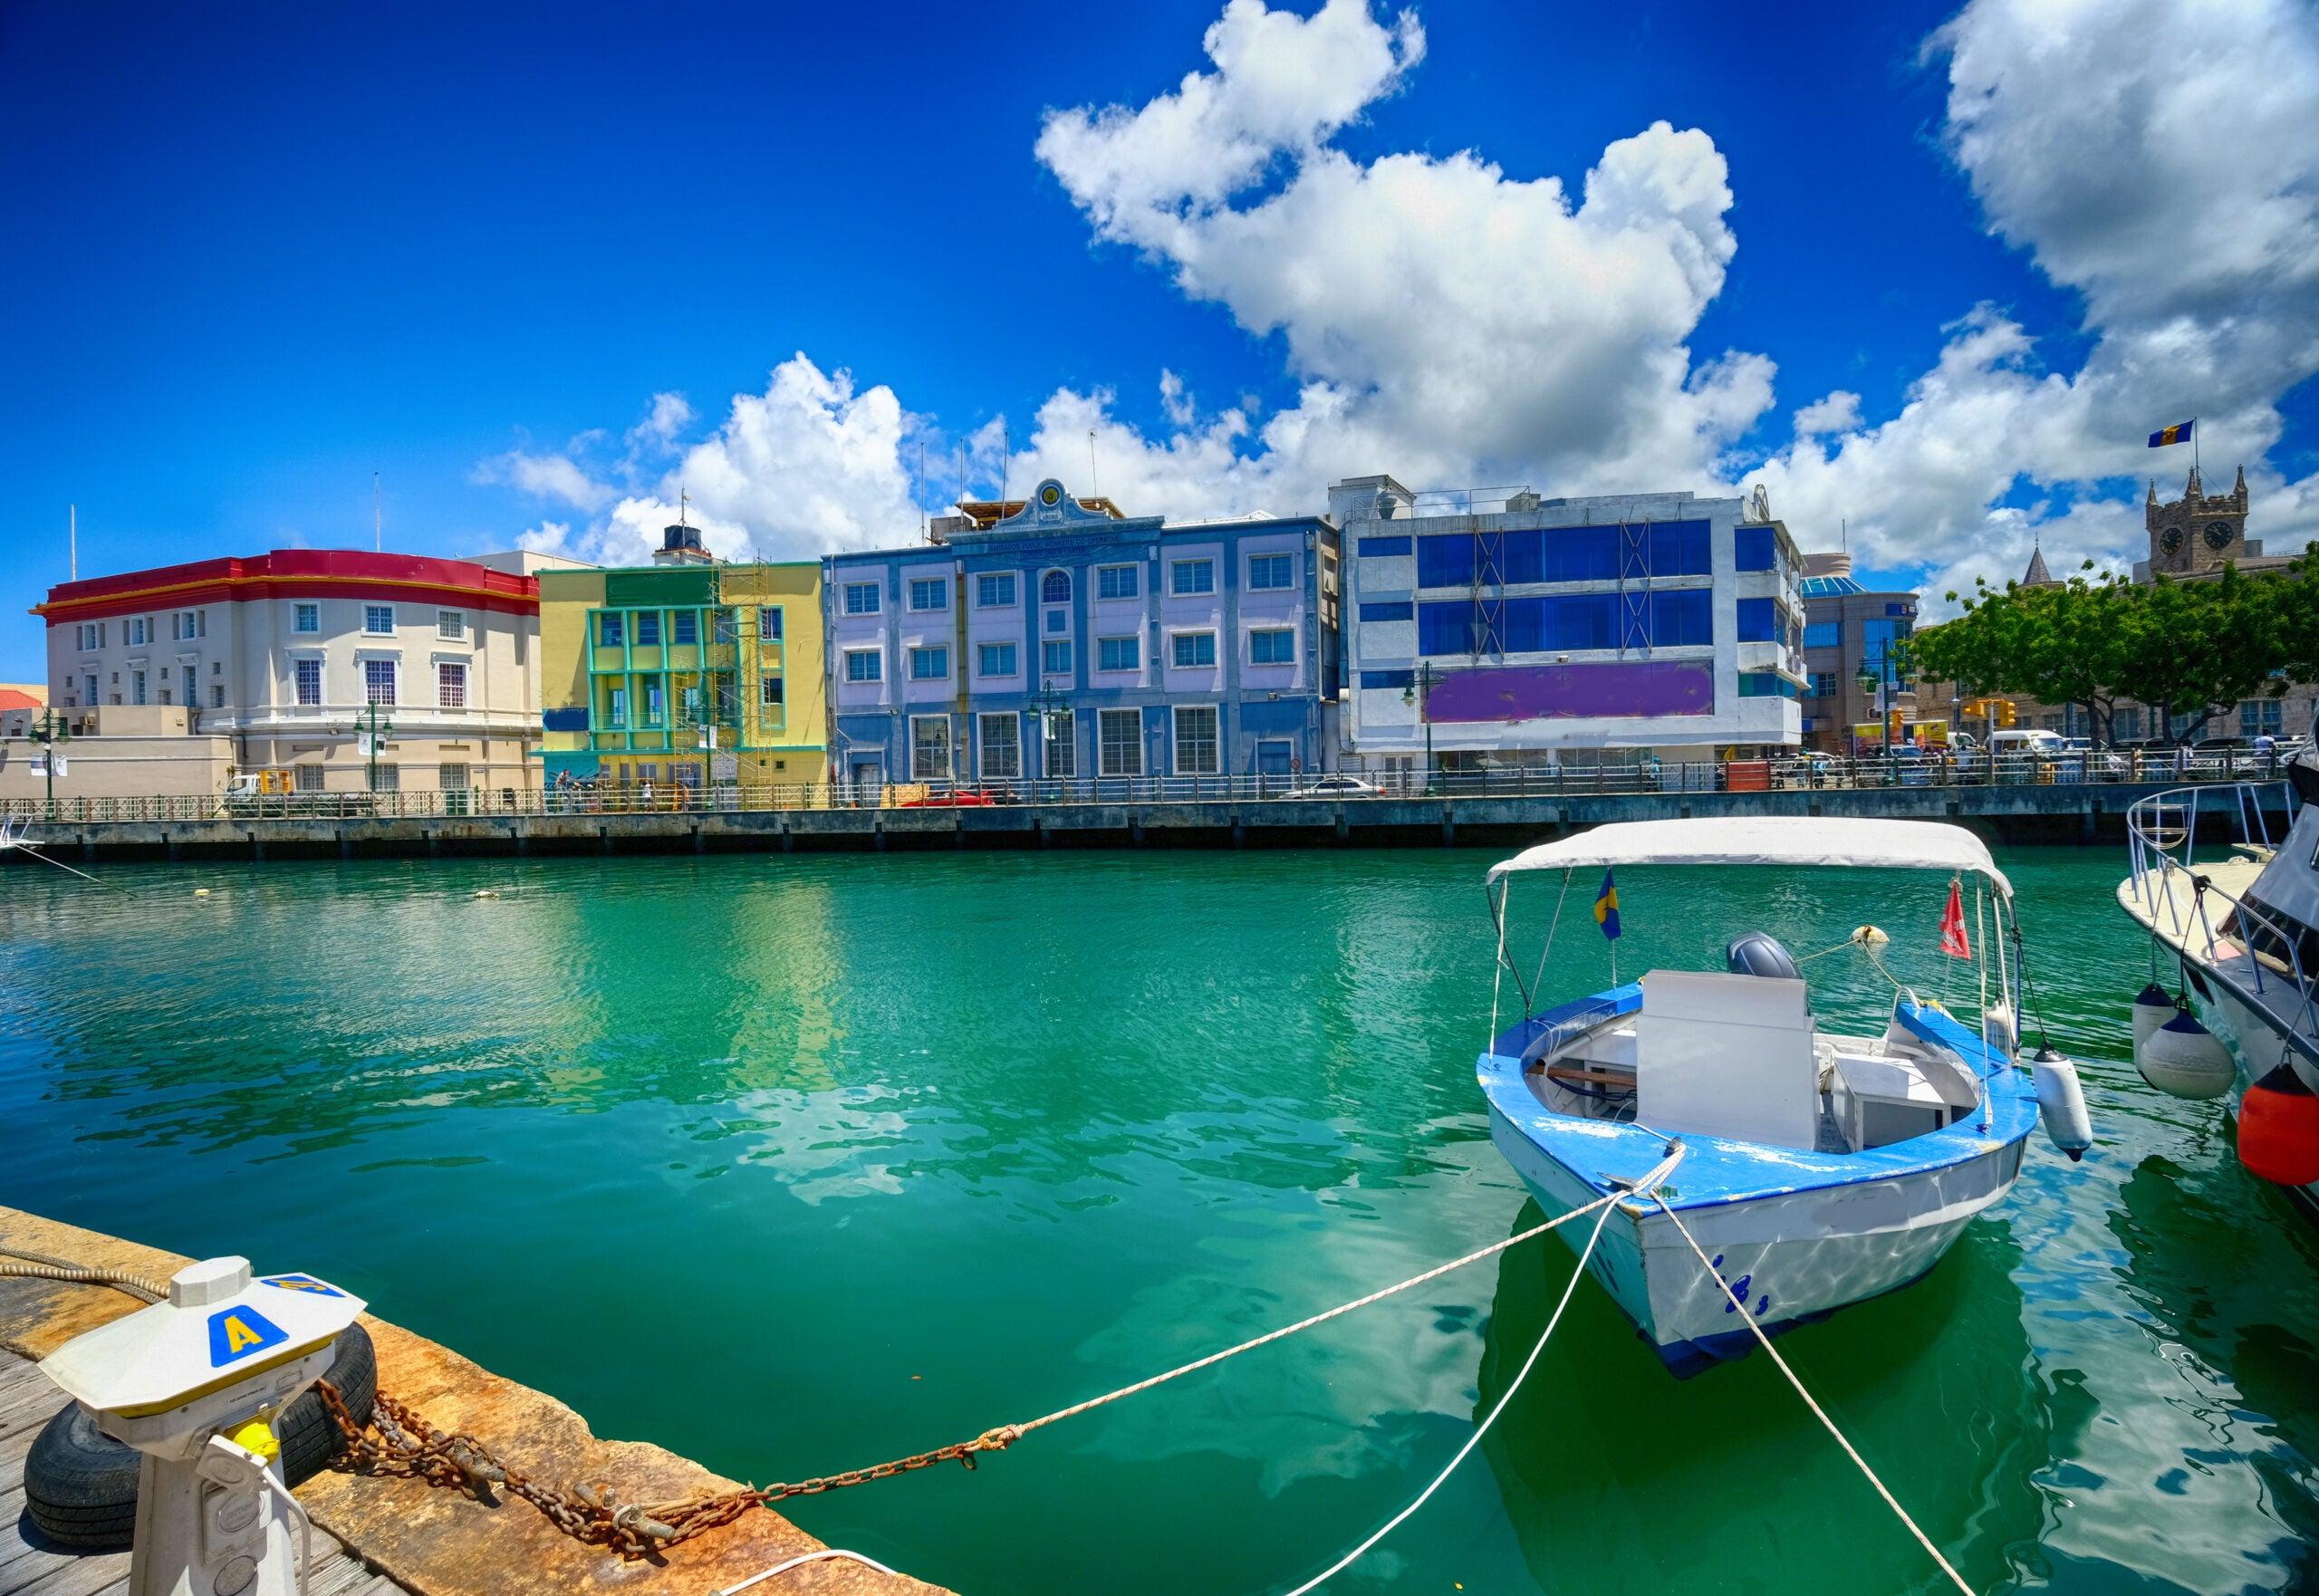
2198	533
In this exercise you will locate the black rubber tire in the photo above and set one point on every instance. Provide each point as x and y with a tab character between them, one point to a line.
81	1485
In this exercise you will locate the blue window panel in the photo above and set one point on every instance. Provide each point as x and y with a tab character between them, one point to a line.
930	592
1823	634
1389	610
863	665
997	658
1116	582
1190	578
1877	635
564	720
1682	619
1445	561
648	629
1578	553
928	665
1058	620
684	627
1446	628
1055	588
1193	649
862	598
1383	548
1753	549
1682	548
607	630
1276	647
1765	684
1758	621
1054	658
1898	608
995	589
1388	679
1119	654
1269	572
1576	620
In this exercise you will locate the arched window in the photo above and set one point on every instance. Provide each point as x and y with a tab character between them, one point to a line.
1056	588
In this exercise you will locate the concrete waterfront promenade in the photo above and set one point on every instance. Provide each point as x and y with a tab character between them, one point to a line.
2055	812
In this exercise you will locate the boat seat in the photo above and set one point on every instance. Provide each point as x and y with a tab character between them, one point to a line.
1727	1055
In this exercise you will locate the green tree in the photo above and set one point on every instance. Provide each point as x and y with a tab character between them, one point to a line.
2059	645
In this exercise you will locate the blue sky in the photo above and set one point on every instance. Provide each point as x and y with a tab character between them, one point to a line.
250	256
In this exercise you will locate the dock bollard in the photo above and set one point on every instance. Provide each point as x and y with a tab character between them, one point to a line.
198	1383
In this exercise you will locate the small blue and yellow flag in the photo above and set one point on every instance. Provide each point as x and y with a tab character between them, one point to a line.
1606	907
2178	433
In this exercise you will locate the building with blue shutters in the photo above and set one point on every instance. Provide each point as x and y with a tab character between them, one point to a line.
1514	627
1056	638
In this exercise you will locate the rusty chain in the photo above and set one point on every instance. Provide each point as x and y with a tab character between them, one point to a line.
398	1441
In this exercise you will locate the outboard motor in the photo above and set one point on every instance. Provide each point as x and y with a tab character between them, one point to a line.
1759	953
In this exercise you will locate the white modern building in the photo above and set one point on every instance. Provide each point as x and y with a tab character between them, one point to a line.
289	653
1513	627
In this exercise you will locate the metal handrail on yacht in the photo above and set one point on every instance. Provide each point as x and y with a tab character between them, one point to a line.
2159	825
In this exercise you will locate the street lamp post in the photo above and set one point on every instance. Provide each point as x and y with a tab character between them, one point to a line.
1053	708
373	735
50	730
1419	692
1887	670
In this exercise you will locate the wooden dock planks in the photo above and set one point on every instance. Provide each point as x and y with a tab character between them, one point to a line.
30	1566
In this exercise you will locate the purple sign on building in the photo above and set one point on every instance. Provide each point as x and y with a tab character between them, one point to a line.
1613	690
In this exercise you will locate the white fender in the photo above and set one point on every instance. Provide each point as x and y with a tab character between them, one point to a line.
2184	1059
2061	1103
2152	1009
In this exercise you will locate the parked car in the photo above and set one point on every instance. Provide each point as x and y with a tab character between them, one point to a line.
959	798
1337	785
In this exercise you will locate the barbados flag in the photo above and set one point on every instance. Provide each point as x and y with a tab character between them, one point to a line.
2180	433
1606	907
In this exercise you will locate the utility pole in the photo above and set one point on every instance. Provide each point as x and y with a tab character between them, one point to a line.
1420	693
50	730
377	518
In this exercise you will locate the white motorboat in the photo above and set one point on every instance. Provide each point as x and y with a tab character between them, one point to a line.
2242	928
1820	1168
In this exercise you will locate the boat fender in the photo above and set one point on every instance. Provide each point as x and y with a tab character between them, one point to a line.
2278	1128
1997	1029
1759	953
2184	1059
2152	1009
2061	1103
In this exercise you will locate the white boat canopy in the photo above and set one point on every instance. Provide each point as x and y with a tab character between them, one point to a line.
1813	841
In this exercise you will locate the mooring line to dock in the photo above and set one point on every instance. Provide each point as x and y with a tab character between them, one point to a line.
1818	1412
1647	1186
41	1267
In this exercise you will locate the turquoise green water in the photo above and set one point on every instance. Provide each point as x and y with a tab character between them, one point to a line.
796	1165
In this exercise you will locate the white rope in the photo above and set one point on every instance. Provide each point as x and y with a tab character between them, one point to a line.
1647	1185
826	1552
1817	1411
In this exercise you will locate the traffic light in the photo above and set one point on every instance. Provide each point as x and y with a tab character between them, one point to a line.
2004	711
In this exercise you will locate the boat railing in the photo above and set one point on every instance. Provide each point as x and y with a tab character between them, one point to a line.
2162	839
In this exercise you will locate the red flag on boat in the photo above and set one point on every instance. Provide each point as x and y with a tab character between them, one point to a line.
1953	941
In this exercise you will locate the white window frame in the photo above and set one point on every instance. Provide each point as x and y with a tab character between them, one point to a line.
917	771
298	681
370	627
1046	657
1059	748
772	627
1048	576
1011	656
370	669
1105	747
866	591
1012	588
1276	587
445	672
771	694
1132	578
1176	570
1011	744
1134	641
876	660
1272	631
919	650
451	625
1176	717
300	614
1176	640
921	586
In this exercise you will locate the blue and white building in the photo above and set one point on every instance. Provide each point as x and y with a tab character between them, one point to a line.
1516	628
1058	639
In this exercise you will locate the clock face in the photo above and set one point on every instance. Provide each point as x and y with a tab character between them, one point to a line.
2170	541
2218	534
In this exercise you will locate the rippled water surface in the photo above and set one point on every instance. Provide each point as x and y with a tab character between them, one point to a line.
796	1165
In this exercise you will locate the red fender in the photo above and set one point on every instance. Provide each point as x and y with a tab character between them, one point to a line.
2278	1128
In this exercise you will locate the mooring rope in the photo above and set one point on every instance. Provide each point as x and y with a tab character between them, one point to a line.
1817	1411
1647	1186
43	1267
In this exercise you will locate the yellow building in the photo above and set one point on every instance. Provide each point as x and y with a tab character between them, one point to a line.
684	675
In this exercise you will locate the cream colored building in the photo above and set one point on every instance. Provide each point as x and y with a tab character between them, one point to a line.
288	655
124	752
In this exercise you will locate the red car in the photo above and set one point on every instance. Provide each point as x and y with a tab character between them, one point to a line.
962	798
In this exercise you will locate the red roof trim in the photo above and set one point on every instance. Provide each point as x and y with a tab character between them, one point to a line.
301	573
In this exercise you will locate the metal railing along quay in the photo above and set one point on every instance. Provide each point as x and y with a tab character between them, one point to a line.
1568	779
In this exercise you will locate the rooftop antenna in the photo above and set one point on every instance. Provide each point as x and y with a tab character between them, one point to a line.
377	518
920	493
1005	460
1843	535
1095	483
76	511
